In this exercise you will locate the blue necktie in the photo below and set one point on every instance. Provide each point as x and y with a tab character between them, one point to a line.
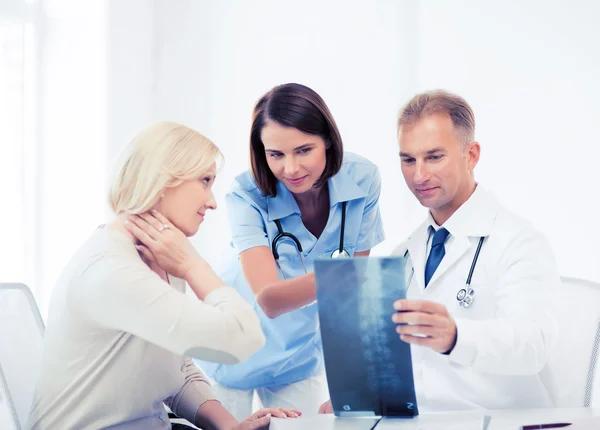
436	254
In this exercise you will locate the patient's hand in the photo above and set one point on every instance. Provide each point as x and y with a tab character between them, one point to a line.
262	418
163	243
326	408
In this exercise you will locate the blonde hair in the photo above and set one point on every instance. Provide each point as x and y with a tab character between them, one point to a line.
440	102
161	156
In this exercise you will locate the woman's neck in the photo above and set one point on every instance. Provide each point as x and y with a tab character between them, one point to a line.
313	198
314	209
118	223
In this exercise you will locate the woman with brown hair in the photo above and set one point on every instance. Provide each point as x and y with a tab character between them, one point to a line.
302	199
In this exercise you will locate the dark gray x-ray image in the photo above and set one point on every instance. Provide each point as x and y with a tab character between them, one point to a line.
369	369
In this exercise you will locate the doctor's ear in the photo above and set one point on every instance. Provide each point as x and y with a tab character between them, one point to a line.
473	152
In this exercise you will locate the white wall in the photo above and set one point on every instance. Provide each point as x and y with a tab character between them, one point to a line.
96	92
72	148
217	59
131	68
529	69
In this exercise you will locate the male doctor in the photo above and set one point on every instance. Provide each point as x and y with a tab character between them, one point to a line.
482	347
485	347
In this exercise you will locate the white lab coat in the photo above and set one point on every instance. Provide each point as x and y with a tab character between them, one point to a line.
506	336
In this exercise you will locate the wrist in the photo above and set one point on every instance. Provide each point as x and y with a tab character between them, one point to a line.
202	279
451	345
212	415
193	267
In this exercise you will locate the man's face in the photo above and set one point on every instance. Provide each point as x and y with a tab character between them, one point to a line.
437	166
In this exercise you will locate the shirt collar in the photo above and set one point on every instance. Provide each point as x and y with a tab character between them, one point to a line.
474	218
283	204
342	188
431	222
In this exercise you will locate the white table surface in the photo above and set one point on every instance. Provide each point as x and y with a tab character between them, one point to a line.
501	420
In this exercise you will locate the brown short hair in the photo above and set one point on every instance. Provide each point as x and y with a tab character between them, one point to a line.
440	102
299	107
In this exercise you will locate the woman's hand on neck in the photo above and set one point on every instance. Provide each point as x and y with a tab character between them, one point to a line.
118	223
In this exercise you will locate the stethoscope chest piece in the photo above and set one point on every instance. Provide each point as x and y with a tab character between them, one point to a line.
340	254
465	297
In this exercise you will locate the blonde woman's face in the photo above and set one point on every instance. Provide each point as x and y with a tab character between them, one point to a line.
186	205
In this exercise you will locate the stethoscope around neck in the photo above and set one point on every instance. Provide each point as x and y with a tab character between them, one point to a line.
466	295
340	252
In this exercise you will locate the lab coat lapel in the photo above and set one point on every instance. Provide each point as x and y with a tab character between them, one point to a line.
417	250
472	220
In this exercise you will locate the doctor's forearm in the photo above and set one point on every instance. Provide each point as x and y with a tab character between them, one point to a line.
285	296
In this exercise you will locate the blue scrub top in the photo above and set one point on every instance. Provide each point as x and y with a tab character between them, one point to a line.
293	349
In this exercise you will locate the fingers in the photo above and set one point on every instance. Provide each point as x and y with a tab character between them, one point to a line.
287	412
152	221
440	339
275	413
280	412
418	340
424	323
140	234
419	318
420	306
146	253
421	330
259	424
161	218
143	225
326	408
261	413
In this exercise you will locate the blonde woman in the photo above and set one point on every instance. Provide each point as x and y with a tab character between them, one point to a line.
121	331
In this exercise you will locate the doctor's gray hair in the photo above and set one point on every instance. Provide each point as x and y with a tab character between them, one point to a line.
163	155
440	102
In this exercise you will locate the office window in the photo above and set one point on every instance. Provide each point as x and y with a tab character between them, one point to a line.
17	142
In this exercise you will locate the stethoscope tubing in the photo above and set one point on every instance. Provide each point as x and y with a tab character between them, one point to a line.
338	253
469	292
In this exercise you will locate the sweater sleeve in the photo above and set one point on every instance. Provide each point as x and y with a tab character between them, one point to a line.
131	298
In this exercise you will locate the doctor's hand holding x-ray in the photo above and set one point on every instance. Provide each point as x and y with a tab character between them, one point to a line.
425	323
